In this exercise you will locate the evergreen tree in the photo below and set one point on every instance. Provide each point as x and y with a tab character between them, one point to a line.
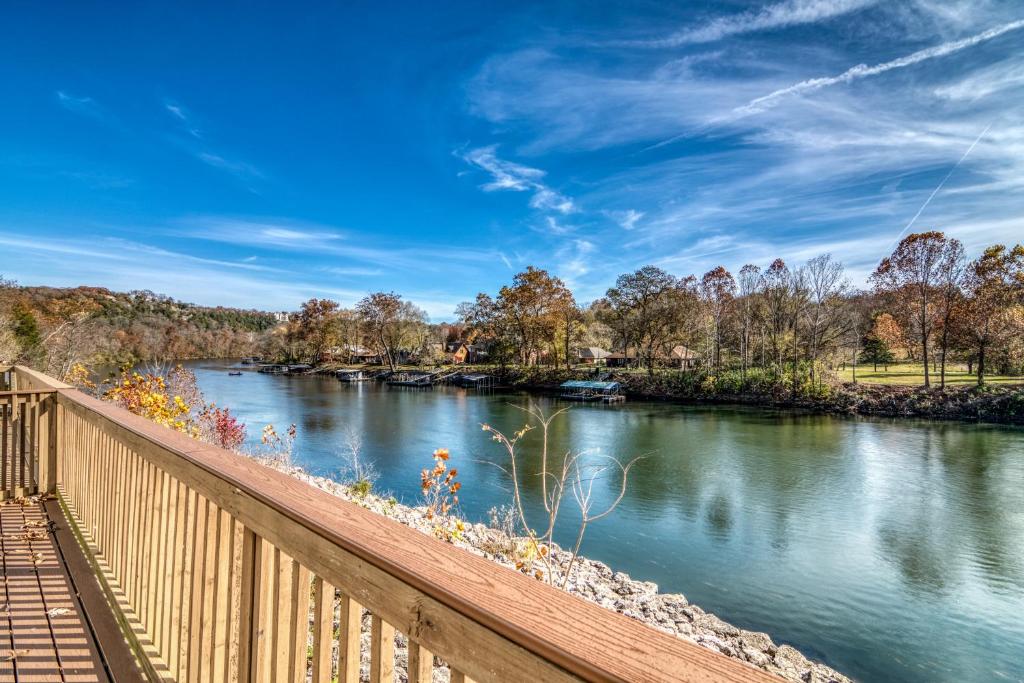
26	329
876	351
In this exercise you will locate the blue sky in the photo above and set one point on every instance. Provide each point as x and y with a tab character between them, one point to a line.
257	154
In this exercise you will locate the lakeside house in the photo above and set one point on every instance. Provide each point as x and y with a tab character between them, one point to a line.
678	356
683	357
592	355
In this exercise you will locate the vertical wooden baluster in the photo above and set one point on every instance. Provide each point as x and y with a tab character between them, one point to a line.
323	630
167	489
177	562
102	499
236	630
145	546
459	677
222	604
265	618
210	570
128	493
349	634
86	499
166	564
22	443
132	554
195	647
382	651
34	455
5	419
250	588
421	663
299	657
185	595
282	616
109	498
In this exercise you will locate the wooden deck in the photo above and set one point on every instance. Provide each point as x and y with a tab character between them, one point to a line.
44	632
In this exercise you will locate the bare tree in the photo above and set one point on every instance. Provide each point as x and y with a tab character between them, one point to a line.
750	283
718	290
826	323
575	475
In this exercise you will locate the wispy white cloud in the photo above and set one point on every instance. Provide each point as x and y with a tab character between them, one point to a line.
552	226
352	271
181	114
760	104
508	175
84	106
780	15
294	237
238	168
1006	75
627	219
177	111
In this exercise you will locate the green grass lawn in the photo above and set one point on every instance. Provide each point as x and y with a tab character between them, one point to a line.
912	374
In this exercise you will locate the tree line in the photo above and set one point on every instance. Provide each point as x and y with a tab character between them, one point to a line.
926	303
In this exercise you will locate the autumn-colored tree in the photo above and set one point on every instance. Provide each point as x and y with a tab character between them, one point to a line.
392	325
531	308
911	276
570	326
995	283
885	328
318	326
949	299
650	307
379	312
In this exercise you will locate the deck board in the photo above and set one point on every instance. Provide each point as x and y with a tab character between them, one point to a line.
43	636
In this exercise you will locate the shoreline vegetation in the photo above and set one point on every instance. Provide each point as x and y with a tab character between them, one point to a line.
992	403
590	580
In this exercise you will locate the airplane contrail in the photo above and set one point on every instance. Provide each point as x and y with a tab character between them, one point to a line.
863	70
938	187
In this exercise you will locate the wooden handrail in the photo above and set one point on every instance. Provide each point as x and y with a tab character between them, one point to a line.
221	542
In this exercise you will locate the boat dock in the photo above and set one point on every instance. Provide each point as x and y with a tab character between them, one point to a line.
420	379
585	390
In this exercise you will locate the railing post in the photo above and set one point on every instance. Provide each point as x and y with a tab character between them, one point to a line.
48	439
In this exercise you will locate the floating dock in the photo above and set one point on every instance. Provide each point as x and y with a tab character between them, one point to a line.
584	390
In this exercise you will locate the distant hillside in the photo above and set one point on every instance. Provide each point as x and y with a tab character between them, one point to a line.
56	327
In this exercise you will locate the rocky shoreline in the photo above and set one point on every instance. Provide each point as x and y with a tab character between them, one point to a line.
598	583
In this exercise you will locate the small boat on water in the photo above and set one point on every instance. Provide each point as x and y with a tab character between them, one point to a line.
235	374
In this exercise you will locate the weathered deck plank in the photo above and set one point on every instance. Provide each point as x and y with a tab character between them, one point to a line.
43	633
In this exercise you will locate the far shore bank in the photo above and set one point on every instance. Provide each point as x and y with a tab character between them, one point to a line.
1000	404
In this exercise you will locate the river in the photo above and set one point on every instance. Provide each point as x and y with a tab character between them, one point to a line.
892	550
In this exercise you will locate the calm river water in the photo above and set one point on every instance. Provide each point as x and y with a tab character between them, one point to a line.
892	550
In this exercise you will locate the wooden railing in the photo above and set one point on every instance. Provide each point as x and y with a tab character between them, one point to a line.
222	569
26	428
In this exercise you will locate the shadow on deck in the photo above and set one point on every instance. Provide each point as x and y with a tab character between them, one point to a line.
55	624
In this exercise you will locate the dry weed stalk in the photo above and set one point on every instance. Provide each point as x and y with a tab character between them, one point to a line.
575	476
